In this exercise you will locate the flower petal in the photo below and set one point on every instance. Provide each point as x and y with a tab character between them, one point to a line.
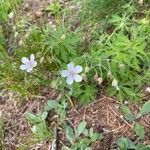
34	63
78	69
23	67
64	73
70	66
25	60
77	78
69	80
32	57
29	69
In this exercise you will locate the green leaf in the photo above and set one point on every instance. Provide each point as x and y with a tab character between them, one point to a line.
69	134
80	128
142	147
88	94
52	104
139	130
44	115
88	148
33	118
125	144
127	113
145	109
94	135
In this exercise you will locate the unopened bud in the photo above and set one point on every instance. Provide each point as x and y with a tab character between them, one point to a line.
109	74
87	69
147	89
63	37
95	78
100	80
84	77
16	35
11	15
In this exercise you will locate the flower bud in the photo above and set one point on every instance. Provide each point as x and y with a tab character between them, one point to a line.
16	35
84	77
11	15
95	78
100	80
21	43
109	74
34	129
147	89
87	69
63	37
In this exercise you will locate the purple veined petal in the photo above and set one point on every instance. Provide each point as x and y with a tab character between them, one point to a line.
23	67
77	78
29	69
64	73
78	69
33	63
24	60
70	66
32	57
69	80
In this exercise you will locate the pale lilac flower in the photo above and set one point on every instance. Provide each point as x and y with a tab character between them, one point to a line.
28	63
72	73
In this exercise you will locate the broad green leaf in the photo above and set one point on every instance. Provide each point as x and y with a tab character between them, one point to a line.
139	130
52	104
95	136
145	109
80	128
125	144
44	115
127	113
33	118
69	134
142	147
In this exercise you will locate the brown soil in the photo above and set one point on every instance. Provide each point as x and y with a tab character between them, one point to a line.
103	115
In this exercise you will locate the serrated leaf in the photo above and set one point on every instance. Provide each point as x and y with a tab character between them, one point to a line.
80	128
88	94
139	130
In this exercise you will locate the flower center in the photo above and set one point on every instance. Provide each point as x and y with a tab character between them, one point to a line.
72	73
30	64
